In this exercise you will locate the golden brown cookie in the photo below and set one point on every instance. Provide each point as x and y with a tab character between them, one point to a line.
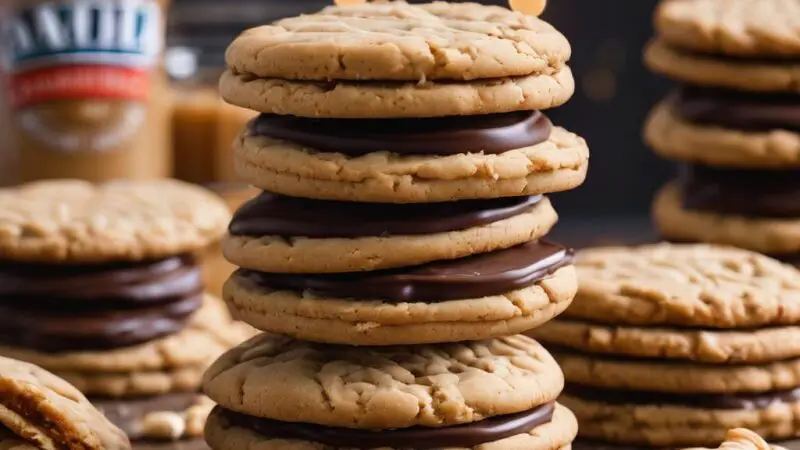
685	285
398	41
77	222
741	28
675	138
440	385
327	255
319	318
554	435
713	71
559	164
677	377
771	236
353	100
51	414
674	426
703	346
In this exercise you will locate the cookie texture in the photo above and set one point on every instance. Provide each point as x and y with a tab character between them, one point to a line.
770	236
398	41
136	384
685	285
385	387
555	435
704	346
677	139
77	222
209	333
730	73
677	377
279	254
559	164
677	426
743	28
375	322
50	413
353	100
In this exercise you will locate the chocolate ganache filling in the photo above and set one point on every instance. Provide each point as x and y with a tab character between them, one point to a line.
273	214
751	193
472	277
54	308
459	436
741	400
738	110
490	133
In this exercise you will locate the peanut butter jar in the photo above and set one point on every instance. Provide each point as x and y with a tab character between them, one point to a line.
86	93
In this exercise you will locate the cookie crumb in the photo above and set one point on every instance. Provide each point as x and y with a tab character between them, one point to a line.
164	425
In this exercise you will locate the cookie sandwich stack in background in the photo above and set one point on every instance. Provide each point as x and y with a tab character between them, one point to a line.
396	249
734	124
672	345
100	285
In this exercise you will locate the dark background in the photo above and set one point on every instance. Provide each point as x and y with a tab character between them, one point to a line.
613	95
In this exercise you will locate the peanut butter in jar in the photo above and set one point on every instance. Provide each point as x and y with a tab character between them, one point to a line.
85	89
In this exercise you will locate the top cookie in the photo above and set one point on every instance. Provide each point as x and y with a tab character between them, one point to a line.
395	41
76	222
685	285
744	28
50	413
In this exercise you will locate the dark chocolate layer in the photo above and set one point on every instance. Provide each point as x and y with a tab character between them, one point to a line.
272	214
96	330
460	436
491	133
748	401
761	194
54	308
738	110
128	414
472	277
95	286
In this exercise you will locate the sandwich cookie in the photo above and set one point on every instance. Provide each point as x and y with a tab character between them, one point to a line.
416	160
399	60
494	394
39	410
744	45
275	233
100	284
486	295
717	325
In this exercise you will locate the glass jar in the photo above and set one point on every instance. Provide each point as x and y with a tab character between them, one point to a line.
86	95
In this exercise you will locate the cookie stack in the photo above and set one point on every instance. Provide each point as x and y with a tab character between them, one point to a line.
733	124
100	285
396	249
671	345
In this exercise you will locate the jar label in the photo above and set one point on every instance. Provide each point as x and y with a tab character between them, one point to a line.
103	49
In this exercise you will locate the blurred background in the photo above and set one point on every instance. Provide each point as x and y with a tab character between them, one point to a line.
614	94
